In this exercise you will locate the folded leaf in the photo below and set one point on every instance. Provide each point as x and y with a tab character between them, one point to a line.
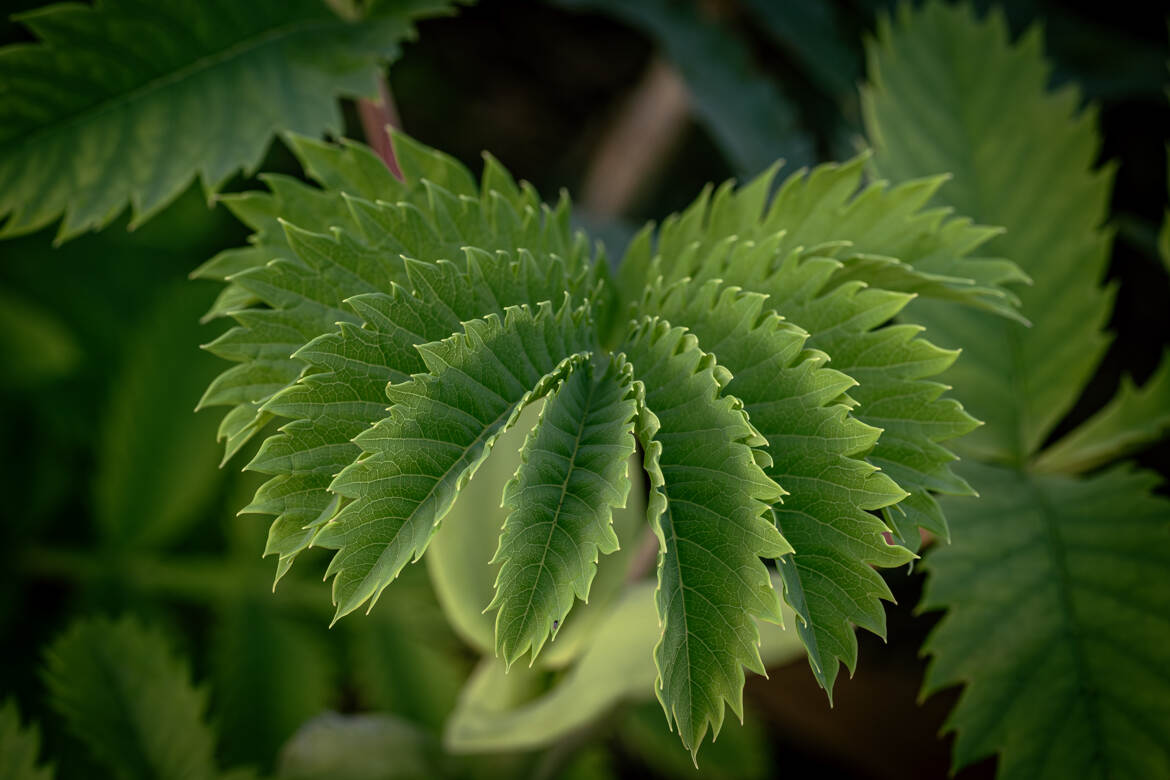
708	498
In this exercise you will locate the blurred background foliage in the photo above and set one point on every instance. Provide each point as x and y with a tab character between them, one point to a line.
116	505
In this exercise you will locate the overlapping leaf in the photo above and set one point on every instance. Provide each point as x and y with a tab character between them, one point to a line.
128	101
737	236
1055	587
441	426
458	304
571	478
708	498
1022	157
123	693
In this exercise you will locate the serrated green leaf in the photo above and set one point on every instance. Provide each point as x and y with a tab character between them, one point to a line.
408	475
124	693
571	477
404	265
19	747
1022	157
793	400
1135	416
1057	601
459	554
708	496
129	101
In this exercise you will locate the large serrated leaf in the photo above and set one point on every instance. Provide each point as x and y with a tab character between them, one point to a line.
129	101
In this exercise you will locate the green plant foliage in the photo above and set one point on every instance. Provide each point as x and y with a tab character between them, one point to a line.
514	709
19	747
1029	170
1055	586
460	303
122	692
1134	417
35	346
572	476
128	101
156	474
1057	599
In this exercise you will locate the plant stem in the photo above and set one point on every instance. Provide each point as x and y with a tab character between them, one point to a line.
377	116
638	141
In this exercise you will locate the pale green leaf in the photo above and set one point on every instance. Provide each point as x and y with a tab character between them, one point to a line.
360	747
1057	621
571	477
19	747
128	101
950	93
124	693
507	709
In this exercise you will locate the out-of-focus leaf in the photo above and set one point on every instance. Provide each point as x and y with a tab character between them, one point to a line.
19	747
157	468
740	753
405	659
808	29
125	694
270	676
360	747
35	345
750	120
497	710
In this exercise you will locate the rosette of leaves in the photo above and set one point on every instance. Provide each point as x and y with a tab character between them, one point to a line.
387	332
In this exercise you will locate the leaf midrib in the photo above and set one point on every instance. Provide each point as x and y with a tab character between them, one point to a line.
200	65
561	502
1085	685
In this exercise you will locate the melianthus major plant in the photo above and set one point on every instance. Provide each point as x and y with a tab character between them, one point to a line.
395	329
754	354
